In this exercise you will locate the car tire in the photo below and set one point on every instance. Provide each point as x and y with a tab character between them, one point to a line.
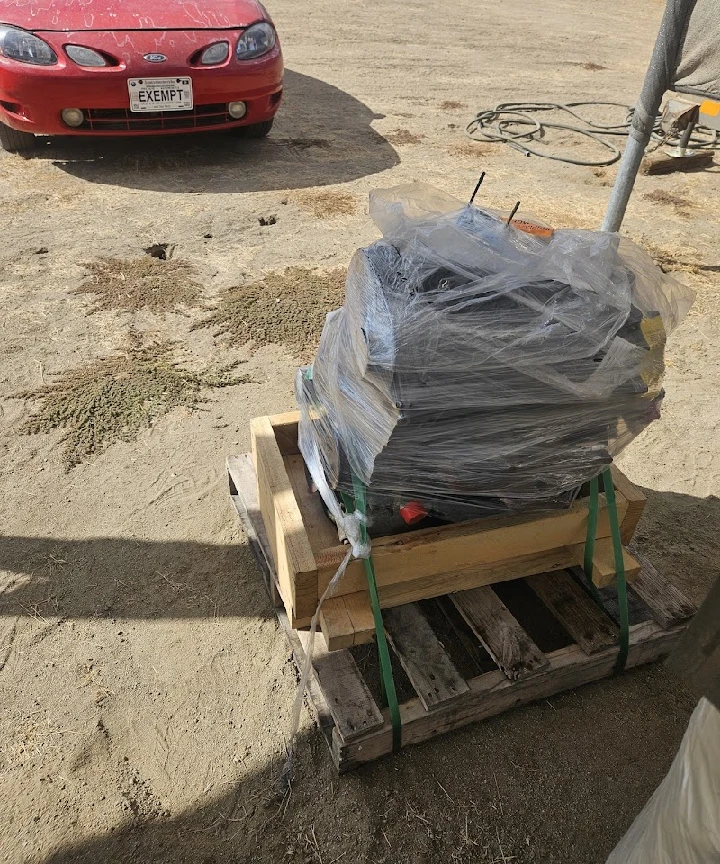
14	141
255	130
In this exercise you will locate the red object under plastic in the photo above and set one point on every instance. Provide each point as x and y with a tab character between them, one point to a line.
413	512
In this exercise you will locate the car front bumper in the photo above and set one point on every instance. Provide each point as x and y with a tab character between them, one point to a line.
32	97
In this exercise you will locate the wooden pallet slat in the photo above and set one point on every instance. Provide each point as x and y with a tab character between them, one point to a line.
498	630
669	606
578	613
345	691
316	698
492	693
426	663
474	651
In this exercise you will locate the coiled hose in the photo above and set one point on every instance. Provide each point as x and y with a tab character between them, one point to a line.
500	124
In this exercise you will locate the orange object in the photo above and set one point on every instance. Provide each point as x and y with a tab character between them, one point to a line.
413	512
532	228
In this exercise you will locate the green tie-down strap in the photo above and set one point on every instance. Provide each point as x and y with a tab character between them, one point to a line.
387	681
617	554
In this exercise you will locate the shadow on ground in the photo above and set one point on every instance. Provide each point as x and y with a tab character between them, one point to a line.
556	782
132	578
126	578
322	135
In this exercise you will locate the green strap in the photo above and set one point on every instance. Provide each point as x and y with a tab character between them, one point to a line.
591	530
386	675
619	570
590	541
617	554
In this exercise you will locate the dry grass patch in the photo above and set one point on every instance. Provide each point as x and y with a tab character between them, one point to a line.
140	283
326	203
113	398
404	136
658	196
471	149
286	307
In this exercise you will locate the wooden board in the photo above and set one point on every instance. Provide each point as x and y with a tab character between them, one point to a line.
321	531
347	621
337	628
435	585
316	698
285	427
603	572
636	502
360	613
291	550
660	162
338	631
484	547
573	607
504	639
431	672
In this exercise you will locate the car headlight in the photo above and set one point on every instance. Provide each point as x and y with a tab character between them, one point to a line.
25	47
256	41
215	54
85	56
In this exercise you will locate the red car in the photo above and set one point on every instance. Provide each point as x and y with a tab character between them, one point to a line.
133	67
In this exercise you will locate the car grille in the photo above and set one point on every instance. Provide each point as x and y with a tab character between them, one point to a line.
124	120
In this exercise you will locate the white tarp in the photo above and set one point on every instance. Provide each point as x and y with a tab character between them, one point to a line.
680	824
698	61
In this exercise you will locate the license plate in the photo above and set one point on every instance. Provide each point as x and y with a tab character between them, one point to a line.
160	94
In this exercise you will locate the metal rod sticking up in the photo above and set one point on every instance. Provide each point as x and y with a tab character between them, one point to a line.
514	211
475	190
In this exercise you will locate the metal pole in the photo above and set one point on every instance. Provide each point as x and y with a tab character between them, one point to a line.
658	79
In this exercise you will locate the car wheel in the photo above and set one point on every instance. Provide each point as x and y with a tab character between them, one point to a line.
14	141
254	130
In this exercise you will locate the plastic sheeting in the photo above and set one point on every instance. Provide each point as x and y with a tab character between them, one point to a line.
680	824
481	369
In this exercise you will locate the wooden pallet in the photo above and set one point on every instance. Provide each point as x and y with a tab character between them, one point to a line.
468	655
416	565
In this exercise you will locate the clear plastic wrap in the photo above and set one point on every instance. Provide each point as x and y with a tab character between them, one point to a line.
477	368
680	824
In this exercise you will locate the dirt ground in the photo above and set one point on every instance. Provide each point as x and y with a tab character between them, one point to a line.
146	688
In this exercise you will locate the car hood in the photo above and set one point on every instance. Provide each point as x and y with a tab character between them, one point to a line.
73	15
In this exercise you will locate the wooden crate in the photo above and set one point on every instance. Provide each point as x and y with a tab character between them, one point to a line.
485	658
416	565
